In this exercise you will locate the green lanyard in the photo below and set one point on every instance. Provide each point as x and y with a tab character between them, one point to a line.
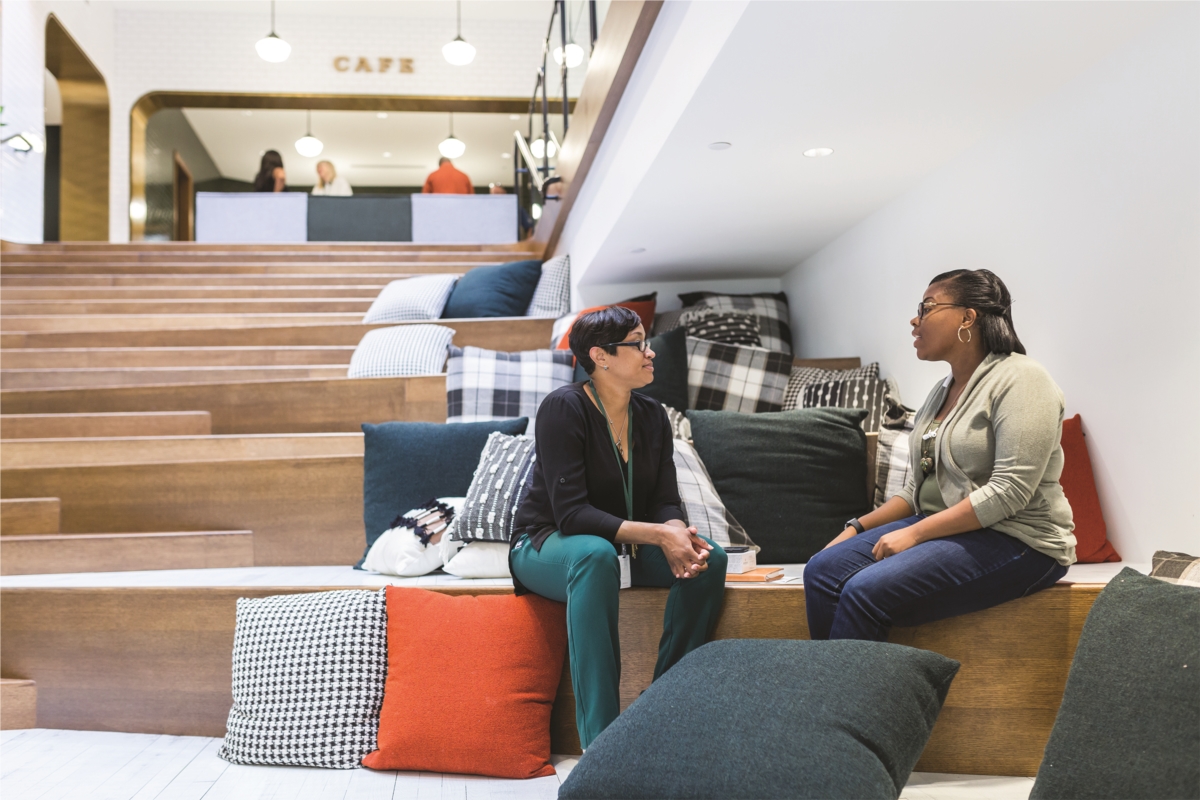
627	479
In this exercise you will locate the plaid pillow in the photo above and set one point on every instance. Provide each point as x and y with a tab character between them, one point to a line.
484	385
681	427
403	350
728	327
728	377
701	503
422	297
868	393
667	321
803	376
1177	568
893	464
770	307
552	298
505	467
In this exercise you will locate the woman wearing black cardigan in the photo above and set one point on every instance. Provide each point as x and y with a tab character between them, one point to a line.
589	500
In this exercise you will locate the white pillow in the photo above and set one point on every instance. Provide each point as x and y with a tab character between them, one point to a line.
399	551
407	299
403	350
552	298
480	560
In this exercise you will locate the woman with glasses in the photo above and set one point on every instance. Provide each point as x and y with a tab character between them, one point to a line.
603	511
982	518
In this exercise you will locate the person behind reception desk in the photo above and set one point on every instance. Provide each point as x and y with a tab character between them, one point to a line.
447	180
329	183
271	177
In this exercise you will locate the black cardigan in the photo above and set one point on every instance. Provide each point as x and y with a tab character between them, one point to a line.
577	486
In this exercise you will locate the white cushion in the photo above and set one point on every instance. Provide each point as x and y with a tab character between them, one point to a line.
399	552
552	298
422	297
480	560
403	350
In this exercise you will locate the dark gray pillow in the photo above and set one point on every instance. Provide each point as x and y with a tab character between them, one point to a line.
792	478
1129	723
751	718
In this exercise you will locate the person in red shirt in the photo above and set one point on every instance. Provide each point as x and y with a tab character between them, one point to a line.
447	180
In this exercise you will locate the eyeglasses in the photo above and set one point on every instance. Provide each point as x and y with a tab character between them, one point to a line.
641	344
924	308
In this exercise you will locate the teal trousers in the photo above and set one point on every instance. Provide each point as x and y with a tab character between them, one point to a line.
583	572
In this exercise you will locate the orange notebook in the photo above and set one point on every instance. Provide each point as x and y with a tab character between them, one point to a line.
760	575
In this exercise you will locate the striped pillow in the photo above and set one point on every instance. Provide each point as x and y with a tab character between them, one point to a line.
868	393
499	486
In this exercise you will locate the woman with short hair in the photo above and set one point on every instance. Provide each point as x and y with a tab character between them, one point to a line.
982	518
604	480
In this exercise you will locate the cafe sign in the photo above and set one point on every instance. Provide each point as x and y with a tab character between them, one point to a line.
365	64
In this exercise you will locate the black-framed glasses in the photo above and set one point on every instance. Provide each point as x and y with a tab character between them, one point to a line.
924	308
641	344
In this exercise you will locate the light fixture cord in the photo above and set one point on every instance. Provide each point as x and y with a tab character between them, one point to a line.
451	124
272	17
308	124
459	7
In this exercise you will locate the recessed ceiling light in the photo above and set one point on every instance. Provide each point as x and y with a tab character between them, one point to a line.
637	250
720	146
506	155
247	113
514	116
381	115
819	152
387	155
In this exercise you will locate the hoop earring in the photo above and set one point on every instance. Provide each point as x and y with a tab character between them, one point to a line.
960	330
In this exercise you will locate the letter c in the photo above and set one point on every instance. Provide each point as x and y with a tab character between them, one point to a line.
341	63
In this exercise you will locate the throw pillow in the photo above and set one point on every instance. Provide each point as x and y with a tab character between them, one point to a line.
728	377
643	306
668	320
867	393
1079	485
727	327
487	384
892	459
680	427
779	718
480	560
403	350
308	678
771	308
792	478
499	290
504	655
407	553
552	298
803	376
406	463
505	466
1177	568
407	299
1129	723
701	503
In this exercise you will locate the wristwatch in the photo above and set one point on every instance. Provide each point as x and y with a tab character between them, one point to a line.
854	523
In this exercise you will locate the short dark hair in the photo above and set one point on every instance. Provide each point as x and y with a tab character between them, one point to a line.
600	328
982	290
443	160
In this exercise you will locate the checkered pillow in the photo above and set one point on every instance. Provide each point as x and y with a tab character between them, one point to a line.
701	503
728	377
403	350
668	320
771	309
552	298
727	327
422	297
504	470
868	393
893	462
803	376
308	677
484	385
1179	568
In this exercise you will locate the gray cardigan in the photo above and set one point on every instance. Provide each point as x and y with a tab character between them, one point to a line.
1000	447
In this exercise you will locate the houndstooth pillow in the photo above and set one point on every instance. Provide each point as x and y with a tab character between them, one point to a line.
701	503
402	350
504	470
408	299
308	677
892	463
770	307
727	327
485	385
868	393
803	376
552	298
728	377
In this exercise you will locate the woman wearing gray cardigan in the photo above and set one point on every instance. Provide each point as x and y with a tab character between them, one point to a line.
982	519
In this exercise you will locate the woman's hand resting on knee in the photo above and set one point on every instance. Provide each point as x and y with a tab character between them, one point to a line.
686	552
894	510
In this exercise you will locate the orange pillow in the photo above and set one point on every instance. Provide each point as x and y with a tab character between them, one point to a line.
1079	485
470	683
642	306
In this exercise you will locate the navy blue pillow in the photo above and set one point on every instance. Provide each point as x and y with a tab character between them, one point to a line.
501	290
407	463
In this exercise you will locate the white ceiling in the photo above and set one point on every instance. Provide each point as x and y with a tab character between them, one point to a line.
896	89
356	141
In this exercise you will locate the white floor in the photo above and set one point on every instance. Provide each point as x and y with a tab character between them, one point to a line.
51	764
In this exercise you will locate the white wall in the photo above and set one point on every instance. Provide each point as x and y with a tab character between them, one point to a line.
1088	206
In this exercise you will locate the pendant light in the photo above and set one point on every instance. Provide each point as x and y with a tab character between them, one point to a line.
458	52
451	147
574	55
271	47
308	145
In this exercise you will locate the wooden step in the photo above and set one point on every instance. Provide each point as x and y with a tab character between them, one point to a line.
75	426
145	322
18	704
128	293
42	261
125	552
319	266
265	305
156	449
29	516
113	280
156	376
111	357
15	248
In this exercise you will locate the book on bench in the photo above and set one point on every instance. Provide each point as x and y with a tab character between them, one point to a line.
760	575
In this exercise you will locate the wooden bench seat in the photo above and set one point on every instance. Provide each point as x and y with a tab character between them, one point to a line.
123	357
134	322
127	293
320	266
18	704
157	449
263	305
156	376
75	426
30	516
124	552
116	280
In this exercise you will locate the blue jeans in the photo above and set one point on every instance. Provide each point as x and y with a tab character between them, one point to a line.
850	595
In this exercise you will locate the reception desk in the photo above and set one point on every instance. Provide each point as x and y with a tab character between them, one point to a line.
245	217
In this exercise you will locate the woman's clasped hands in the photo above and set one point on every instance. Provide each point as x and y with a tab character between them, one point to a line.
686	552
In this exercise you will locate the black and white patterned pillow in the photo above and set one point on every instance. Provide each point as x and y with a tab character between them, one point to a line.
499	486
729	377
803	376
408	299
869	393
484	385
308	678
681	426
701	503
552	298
1178	568
667	321
402	350
893	462
727	327
771	308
